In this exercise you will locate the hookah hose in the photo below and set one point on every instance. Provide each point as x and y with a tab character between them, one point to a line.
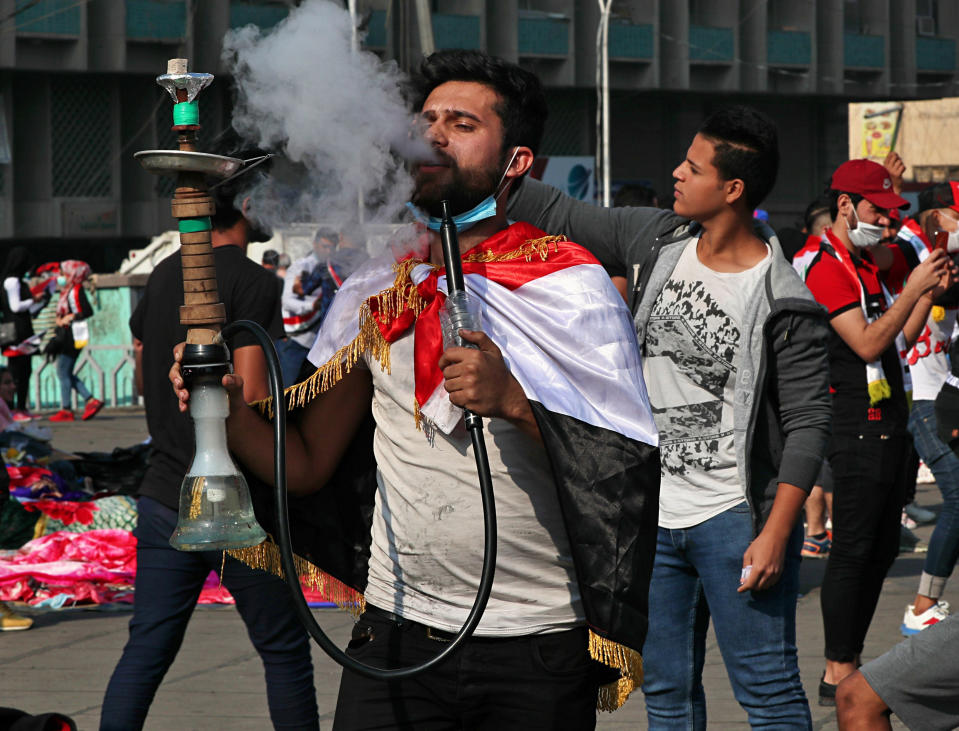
474	424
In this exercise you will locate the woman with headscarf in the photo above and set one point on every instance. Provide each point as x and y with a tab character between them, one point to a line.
19	306
73	309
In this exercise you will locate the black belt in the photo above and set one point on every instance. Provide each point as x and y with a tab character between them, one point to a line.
430	632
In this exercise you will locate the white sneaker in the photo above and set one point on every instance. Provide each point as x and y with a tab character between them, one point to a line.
913	624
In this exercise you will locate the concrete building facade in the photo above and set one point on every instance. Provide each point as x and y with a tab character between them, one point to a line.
77	96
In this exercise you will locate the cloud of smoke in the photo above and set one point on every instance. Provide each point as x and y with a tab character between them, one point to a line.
335	112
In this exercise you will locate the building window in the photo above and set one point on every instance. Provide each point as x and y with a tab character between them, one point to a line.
852	16
927	17
82	138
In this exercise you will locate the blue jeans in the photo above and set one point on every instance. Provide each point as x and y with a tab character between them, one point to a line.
69	381
168	584
695	576
944	543
292	355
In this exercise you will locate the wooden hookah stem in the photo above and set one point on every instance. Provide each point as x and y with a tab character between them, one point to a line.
202	312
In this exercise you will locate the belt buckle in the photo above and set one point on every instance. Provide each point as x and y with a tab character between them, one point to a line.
437	638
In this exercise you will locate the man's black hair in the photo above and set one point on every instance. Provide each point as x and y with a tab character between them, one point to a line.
522	107
635	196
325	232
814	209
271	257
833	197
747	148
225	195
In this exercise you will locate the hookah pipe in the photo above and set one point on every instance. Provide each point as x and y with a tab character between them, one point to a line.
460	317
216	511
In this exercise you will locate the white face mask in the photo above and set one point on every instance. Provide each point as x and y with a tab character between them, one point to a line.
861	234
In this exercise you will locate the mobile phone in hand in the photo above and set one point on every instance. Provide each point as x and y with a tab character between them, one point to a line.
942	240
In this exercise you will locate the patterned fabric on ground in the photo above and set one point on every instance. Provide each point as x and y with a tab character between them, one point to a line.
94	567
117	512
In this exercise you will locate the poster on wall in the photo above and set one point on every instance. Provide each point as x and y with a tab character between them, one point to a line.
572	174
880	130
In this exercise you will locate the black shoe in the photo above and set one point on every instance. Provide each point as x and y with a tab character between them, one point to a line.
827	692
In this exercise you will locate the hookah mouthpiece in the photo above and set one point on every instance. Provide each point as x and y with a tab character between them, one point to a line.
461	312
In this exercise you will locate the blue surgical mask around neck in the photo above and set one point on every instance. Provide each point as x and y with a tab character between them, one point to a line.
486	208
463	221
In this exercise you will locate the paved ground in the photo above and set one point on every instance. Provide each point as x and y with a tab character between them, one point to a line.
64	662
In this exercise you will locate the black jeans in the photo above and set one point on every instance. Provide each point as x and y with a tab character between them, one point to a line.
21	366
870	485
168	583
544	681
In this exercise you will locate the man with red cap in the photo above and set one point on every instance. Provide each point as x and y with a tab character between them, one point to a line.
870	443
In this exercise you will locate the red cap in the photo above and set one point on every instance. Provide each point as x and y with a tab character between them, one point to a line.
870	180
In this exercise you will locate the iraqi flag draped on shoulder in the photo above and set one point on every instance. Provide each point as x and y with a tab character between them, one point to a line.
569	340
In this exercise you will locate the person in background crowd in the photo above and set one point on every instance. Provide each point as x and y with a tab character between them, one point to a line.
818	508
73	311
633	195
282	264
307	292
870	445
19	306
794	238
168	582
8	393
918	679
816	217
928	362
735	362
270	260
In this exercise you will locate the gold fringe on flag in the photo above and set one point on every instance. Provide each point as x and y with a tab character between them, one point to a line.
266	557
196	493
533	247
628	662
403	295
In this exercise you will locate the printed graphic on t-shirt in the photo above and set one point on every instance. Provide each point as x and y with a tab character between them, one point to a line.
690	329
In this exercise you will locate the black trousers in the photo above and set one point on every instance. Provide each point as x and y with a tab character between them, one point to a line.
21	366
870	475
544	681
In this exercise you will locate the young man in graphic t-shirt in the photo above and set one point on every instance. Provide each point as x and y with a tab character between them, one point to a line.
735	366
870	443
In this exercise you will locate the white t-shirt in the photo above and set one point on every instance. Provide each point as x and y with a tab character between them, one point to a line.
427	549
692	342
301	319
928	359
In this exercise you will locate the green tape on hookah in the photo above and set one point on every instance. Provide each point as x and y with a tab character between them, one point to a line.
194	225
186	113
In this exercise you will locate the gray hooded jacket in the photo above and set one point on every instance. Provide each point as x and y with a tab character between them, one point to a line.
782	409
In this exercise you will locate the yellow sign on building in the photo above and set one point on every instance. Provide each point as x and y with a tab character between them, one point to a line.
924	133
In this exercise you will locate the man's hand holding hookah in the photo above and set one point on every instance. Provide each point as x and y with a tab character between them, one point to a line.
476	378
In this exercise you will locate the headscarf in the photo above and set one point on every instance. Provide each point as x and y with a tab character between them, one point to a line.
76	273
17	263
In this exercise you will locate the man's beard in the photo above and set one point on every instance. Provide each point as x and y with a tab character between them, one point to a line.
465	190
